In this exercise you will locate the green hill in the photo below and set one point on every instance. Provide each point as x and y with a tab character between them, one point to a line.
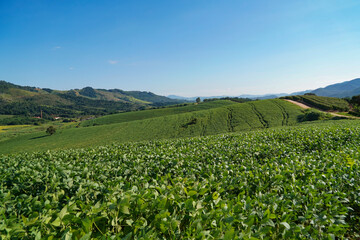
230	118
152	113
30	101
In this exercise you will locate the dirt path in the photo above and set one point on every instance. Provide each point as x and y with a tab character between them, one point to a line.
298	103
306	107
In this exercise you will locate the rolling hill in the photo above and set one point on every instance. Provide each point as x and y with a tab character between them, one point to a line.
159	125
29	101
152	113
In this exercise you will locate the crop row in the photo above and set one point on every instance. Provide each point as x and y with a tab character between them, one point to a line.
286	183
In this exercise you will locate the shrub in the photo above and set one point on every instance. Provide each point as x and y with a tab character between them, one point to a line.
50	130
313	115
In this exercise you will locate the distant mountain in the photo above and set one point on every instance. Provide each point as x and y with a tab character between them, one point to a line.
340	90
300	93
30	101
260	97
344	89
193	99
180	97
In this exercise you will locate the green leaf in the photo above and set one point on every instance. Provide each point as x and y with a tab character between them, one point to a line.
86	222
129	222
189	204
24	219
331	237
229	235
192	193
56	222
128	236
125	209
215	195
38	236
68	236
203	191
228	219
286	225
272	216
250	221
63	212
86	236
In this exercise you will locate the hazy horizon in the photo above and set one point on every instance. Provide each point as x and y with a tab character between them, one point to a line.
186	48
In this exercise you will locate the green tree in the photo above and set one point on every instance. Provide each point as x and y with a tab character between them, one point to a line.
50	130
198	100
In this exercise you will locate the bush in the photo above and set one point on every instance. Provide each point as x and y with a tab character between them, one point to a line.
313	115
50	130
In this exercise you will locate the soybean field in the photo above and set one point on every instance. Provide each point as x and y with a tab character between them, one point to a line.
286	183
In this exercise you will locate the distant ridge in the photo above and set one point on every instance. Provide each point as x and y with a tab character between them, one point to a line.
24	100
260	97
339	90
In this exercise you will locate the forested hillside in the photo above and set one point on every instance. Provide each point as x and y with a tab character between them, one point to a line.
31	101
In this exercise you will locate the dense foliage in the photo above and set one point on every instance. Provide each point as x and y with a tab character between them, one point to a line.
77	106
288	183
323	103
355	105
20	120
314	115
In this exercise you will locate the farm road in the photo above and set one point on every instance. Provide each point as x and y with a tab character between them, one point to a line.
306	107
298	103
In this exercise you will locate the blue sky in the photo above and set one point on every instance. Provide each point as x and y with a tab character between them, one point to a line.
182	47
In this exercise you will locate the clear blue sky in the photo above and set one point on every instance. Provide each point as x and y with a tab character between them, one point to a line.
182	47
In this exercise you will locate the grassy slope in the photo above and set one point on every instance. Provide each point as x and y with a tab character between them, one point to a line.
14	131
5	128
235	117
152	113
